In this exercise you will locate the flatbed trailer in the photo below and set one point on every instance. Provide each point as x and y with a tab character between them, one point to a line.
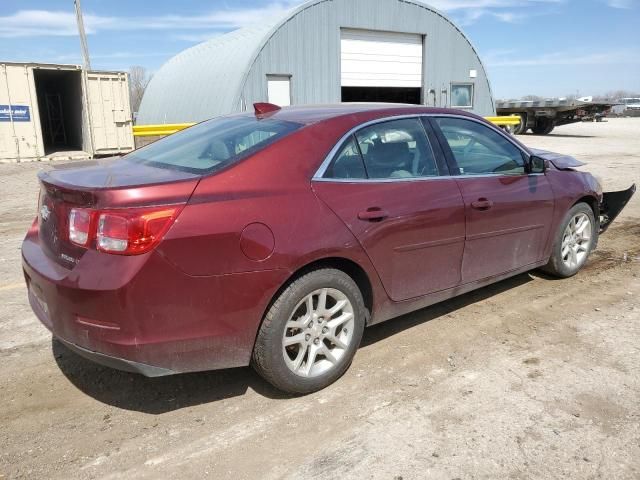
544	115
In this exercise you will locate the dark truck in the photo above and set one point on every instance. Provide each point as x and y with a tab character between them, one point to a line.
542	116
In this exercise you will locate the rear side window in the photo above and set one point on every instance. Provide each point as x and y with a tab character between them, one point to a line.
478	150
397	149
213	145
394	149
348	162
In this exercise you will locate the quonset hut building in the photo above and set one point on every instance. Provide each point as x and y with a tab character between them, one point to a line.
325	51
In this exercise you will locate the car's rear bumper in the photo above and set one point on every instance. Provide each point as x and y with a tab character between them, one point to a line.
117	363
143	314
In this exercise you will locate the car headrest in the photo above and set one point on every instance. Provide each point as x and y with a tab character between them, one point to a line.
393	152
219	150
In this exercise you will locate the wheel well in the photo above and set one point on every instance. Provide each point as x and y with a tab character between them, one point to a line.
349	267
592	202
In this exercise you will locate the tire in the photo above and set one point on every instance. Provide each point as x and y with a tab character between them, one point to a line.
322	335
543	126
563	263
521	128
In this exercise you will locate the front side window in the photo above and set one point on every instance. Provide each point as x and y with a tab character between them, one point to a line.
397	149
212	145
462	95
478	150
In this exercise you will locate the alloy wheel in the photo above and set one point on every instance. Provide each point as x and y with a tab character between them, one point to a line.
318	332
576	241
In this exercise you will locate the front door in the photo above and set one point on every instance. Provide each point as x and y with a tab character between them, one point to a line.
385	183
508	211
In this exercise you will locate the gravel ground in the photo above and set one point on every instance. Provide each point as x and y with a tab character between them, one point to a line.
528	378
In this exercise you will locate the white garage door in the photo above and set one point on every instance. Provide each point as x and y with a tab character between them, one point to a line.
380	59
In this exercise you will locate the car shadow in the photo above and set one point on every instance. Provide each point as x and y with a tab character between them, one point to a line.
382	331
130	391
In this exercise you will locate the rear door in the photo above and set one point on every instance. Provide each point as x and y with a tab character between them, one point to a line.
387	184
508	211
110	113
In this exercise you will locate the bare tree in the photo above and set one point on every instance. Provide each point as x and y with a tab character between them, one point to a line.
138	80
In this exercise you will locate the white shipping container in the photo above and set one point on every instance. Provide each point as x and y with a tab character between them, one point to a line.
46	112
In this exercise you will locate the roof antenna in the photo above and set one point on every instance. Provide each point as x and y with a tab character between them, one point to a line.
264	108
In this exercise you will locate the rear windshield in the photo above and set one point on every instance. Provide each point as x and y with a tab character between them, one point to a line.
212	145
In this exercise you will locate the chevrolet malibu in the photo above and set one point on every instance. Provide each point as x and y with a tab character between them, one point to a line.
273	238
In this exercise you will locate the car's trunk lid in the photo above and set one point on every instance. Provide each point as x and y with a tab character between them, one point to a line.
103	184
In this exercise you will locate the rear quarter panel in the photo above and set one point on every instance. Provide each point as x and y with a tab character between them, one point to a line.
273	189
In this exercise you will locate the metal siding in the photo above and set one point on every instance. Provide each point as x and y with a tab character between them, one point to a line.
229	73
307	46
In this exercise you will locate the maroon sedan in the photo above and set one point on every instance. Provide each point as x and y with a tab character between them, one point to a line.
273	238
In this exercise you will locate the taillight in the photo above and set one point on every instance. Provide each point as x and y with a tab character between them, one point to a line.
134	232
113	233
79	226
129	231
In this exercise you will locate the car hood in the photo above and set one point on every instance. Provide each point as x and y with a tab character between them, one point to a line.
560	161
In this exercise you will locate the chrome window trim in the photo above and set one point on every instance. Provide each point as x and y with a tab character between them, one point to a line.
319	175
422	179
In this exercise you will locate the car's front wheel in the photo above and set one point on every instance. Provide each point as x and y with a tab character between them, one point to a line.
310	334
574	241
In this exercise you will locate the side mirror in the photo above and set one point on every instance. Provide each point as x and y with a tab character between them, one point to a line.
537	164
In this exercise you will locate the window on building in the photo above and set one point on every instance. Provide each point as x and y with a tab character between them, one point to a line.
462	95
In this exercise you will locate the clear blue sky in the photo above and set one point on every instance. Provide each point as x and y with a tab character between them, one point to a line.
543	47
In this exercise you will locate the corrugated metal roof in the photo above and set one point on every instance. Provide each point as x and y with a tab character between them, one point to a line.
216	67
208	79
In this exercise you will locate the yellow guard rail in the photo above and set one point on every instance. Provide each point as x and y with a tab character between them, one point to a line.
168	129
505	121
159	130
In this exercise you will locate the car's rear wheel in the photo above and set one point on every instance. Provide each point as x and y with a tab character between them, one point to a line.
574	241
310	334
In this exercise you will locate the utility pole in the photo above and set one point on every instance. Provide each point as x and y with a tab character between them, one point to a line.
87	131
83	36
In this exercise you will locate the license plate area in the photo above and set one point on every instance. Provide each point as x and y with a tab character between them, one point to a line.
38	299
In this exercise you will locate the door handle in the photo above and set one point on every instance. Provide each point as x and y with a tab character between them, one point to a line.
482	204
373	214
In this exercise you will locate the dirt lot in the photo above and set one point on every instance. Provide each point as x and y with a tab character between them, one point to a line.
528	378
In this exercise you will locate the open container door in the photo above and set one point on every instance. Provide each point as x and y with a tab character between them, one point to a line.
109	113
20	137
